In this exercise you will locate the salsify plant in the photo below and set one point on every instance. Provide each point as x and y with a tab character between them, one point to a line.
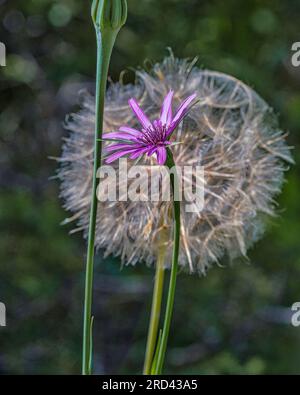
230	131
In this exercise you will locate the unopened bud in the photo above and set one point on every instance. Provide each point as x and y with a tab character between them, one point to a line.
109	14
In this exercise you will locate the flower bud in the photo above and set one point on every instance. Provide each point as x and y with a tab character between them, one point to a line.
109	14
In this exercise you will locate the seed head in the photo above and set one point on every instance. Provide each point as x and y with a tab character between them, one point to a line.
231	132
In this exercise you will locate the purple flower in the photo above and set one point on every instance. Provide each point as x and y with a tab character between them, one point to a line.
153	137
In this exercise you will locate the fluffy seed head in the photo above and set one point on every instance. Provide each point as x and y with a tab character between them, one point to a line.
231	132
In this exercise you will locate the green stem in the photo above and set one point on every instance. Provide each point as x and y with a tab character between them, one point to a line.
174	268
155	311
104	49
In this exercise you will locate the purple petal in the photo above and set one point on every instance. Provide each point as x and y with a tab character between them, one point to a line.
161	154
134	132
120	146
166	110
111	158
119	136
151	151
181	112
140	114
138	152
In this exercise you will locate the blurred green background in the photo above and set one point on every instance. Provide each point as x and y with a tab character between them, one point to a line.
237	318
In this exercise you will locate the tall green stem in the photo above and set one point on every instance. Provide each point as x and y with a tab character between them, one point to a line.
155	311
108	17
174	268
103	59
105	42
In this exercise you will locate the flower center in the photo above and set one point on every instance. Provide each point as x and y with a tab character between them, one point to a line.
155	134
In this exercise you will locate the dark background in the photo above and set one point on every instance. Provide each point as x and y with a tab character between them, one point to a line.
234	320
